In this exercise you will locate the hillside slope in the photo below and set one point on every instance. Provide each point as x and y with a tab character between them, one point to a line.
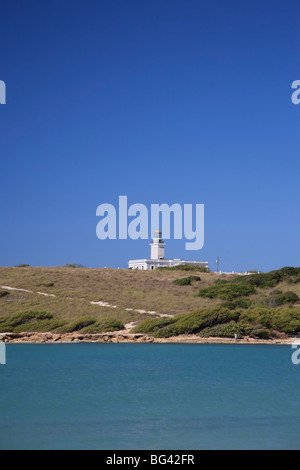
163	303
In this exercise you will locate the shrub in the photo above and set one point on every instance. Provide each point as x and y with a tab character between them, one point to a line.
170	330
227	290
80	323
40	326
280	298
188	323
225	322
195	278
227	330
272	278
73	265
31	320
187	267
285	320
153	325
257	316
246	285
295	280
3	293
185	281
104	325
261	333
289	297
239	303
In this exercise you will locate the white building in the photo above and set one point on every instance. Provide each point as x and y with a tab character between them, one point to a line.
158	257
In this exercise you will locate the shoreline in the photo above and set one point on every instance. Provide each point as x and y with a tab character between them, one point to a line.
126	337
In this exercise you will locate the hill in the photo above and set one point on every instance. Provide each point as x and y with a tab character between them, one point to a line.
163	303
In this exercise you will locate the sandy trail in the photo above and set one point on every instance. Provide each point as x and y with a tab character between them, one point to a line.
101	303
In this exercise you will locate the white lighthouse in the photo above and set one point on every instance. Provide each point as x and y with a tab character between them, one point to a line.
157	259
157	246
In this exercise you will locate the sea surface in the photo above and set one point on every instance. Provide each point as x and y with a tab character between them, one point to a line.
149	396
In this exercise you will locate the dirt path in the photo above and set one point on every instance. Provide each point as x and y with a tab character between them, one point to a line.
101	303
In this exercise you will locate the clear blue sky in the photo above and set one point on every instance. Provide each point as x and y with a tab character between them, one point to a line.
162	101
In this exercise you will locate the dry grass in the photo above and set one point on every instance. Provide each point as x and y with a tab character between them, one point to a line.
75	288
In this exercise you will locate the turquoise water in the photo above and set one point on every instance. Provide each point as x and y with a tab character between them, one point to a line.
149	396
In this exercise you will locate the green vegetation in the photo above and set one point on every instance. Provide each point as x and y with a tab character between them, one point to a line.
278	298
31	320
186	281
261	333
224	322
3	293
260	305
74	265
74	289
247	285
91	325
104	325
238	303
270	279
152	326
37	321
186	267
227	290
187	323
227	330
78	324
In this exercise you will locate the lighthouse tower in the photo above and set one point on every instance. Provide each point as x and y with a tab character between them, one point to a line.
157	246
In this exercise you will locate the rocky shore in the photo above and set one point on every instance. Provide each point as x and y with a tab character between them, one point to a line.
119	337
32	337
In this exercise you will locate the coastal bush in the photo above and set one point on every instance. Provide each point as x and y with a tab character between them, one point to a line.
3	293
41	326
104	325
195	278
261	333
190	322
295	280
225	322
285	320
288	297
270	279
80	323
258	316
227	330
186	281
246	285
187	267
74	265
278	298
238	303
31	320
152	326
227	290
